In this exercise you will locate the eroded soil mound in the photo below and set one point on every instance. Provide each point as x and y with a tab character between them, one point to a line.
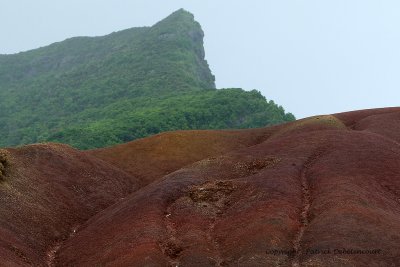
322	191
46	192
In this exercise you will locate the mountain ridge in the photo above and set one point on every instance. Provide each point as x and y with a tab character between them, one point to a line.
98	91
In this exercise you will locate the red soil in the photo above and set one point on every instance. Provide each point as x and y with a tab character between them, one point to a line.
151	158
211	198
48	190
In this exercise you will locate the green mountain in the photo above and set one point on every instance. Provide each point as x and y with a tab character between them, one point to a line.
98	91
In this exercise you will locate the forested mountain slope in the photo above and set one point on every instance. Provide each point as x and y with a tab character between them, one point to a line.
98	91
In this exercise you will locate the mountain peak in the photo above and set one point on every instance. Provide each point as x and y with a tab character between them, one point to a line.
182	11
182	31
183	14
181	17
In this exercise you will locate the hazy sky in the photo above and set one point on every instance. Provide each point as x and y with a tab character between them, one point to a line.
310	56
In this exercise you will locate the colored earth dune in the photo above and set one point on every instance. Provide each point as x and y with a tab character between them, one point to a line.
322	191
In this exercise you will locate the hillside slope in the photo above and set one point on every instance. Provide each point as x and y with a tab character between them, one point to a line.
314	192
97	91
46	191
324	191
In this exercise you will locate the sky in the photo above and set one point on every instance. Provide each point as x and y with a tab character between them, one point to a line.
310	56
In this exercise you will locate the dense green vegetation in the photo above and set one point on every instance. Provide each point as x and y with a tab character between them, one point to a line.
93	92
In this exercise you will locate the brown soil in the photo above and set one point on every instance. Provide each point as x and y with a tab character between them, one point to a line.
279	196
